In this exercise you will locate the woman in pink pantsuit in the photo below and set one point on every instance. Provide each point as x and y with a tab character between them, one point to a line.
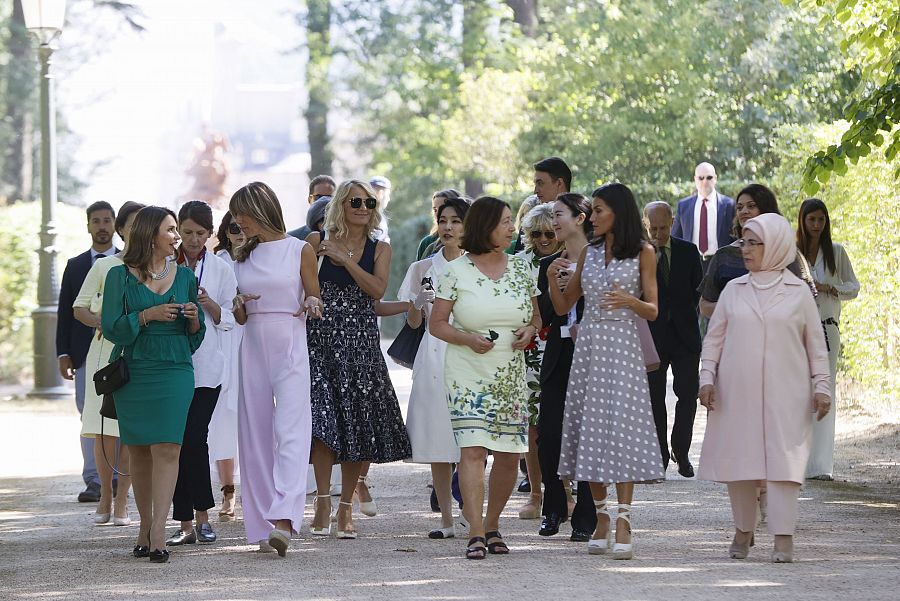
764	374
277	286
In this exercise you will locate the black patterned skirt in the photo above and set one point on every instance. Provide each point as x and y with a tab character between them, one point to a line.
354	407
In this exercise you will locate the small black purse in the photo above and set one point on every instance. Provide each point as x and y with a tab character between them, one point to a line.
111	378
405	346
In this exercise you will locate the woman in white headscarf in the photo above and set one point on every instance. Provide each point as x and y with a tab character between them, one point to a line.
764	375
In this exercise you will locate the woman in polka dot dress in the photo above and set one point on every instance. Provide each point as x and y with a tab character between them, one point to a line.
609	435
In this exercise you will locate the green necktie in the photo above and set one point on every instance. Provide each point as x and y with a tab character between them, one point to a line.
663	265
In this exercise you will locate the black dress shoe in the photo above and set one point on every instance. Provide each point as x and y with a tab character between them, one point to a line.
157	556
435	504
205	534
140	551
524	485
182	538
684	467
580	536
91	494
550	525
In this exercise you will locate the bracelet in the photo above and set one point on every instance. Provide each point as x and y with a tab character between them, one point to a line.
141	319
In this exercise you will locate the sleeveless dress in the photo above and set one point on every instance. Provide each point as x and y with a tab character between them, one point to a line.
355	411
153	406
609	435
488	394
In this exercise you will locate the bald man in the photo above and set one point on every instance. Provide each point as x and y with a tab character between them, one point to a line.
706	217
676	334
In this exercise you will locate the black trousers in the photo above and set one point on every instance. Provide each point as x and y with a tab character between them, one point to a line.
685	384
194	487
549	441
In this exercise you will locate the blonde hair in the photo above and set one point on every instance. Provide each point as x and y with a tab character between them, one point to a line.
335	218
256	200
538	218
529	203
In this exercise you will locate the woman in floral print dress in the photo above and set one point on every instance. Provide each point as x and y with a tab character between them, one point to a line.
491	297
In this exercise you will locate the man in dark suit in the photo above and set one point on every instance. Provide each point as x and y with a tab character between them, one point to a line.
706	217
319	187
73	338
554	380
676	334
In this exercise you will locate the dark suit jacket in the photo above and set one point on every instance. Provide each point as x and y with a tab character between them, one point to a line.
684	219
678	301
558	352
73	338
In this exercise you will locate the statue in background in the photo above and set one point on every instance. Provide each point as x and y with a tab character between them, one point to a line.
209	169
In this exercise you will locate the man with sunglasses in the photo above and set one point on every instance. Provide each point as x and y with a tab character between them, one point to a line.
705	218
382	187
319	187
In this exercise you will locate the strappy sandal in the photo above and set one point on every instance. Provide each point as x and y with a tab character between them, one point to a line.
473	552
497	547
624	550
226	515
599	546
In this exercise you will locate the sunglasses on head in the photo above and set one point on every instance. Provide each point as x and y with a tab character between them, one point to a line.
535	234
234	228
357	202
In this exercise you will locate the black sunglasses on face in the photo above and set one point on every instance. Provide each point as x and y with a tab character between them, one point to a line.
708	178
318	196
535	234
234	228
357	202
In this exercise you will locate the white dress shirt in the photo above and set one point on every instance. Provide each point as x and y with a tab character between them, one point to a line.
220	284
712	218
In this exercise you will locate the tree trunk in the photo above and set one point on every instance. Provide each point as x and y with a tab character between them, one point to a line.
318	23
18	159
525	14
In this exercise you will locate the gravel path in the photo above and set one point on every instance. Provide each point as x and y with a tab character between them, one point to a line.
848	540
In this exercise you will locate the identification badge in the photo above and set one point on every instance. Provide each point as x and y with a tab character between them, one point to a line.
564	332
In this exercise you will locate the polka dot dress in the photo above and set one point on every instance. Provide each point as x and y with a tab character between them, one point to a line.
608	431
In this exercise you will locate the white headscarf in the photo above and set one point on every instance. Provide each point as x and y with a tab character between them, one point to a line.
779	247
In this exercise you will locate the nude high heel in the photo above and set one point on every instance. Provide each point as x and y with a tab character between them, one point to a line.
602	545
347	533
326	531
367	508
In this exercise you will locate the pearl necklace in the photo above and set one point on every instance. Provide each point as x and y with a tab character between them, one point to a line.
771	284
162	274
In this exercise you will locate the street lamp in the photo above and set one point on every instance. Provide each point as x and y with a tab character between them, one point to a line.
44	20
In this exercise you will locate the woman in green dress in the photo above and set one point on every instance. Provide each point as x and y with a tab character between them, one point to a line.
150	313
491	297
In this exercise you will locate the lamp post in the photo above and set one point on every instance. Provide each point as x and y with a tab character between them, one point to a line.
44	20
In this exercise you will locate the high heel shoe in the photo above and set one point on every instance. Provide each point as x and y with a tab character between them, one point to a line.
367	508
623	550
101	518
123	521
740	550
226	514
601	545
346	533
326	531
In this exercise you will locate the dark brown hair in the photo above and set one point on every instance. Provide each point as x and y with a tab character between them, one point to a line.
125	211
763	197
627	229
578	204
321	179
139	250
482	217
197	211
811	205
100	205
223	242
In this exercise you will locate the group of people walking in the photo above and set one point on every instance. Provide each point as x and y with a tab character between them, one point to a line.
549	340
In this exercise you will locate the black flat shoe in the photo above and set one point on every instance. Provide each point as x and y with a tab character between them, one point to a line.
580	536
685	468
205	534
550	525
157	556
524	485
182	538
140	551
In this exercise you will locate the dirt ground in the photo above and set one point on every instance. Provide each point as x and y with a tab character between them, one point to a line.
847	543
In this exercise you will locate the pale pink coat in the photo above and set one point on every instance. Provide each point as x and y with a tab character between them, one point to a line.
765	364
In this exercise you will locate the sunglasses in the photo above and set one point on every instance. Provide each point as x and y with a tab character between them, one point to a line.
535	234
708	178
318	196
234	228
357	202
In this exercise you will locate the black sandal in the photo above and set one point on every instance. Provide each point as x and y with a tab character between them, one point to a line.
499	547
476	552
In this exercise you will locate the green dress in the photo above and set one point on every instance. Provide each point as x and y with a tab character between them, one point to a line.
153	406
488	395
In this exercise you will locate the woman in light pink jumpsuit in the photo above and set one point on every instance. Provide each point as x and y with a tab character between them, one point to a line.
277	285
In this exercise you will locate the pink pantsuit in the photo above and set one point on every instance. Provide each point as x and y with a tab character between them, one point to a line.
274	420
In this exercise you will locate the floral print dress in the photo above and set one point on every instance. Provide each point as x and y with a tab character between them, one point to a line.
487	394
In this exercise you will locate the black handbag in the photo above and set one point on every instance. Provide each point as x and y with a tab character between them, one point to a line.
405	346
111	378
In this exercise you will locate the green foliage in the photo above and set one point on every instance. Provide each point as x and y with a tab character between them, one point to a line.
19	225
871	44
864	206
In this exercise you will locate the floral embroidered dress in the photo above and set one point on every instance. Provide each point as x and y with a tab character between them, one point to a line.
488	395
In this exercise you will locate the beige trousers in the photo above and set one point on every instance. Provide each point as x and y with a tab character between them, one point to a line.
782	505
